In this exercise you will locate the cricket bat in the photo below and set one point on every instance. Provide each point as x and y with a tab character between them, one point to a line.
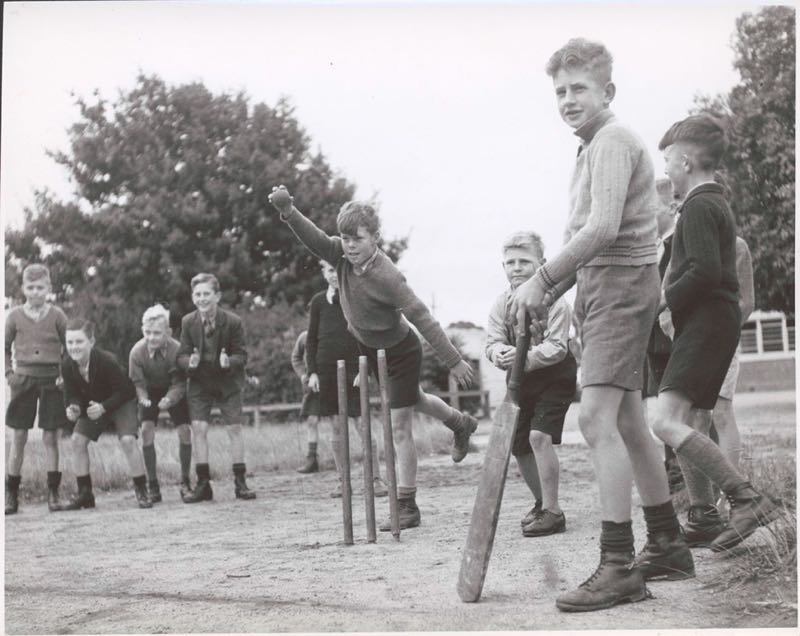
486	511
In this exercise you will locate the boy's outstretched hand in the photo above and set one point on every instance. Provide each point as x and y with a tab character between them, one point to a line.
281	199
529	298
463	374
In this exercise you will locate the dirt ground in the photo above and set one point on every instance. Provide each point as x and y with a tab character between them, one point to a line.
278	564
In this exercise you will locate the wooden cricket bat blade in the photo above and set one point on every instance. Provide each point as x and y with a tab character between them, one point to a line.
486	511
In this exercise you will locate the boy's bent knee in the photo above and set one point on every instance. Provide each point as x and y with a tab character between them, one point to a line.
541	441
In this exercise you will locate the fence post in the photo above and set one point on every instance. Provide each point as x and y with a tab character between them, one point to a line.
452	386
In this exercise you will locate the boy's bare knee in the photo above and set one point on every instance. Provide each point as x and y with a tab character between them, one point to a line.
128	443
20	436
185	434
50	438
541	441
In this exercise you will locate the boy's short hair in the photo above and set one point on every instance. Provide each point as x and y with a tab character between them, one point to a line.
35	271
202	277
525	240
705	133
582	53
355	214
81	324
156	312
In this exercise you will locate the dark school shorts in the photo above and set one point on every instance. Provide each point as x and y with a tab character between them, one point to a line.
201	399
329	391
310	404
706	337
544	396
122	421
404	365
26	393
179	413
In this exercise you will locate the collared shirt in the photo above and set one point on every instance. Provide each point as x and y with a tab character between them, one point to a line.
360	270
331	295
84	370
588	129
156	369
209	323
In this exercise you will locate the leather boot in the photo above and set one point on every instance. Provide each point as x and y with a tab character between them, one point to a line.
240	484
408	513
154	491
12	494
749	511
463	426
53	483
84	499
616	580
186	488
202	492
141	496
665	558
703	526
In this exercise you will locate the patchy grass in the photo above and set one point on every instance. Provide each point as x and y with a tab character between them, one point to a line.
270	447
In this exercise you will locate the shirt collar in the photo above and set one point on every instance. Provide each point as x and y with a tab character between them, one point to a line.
588	129
330	294
152	352
707	186
362	269
35	314
211	319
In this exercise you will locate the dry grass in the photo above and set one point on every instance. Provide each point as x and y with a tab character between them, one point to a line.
268	448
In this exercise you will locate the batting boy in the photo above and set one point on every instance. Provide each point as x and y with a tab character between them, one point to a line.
611	252
213	356
34	346
378	305
547	388
98	395
160	386
702	294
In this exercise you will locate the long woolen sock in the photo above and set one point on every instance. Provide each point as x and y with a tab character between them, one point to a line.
149	454
707	457
661	519
616	537
185	454
698	485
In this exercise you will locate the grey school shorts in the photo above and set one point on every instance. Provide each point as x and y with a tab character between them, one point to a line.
615	308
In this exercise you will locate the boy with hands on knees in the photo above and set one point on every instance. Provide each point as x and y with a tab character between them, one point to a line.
547	387
160	386
213	355
378	305
98	394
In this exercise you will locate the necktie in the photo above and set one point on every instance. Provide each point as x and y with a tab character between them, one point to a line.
209	327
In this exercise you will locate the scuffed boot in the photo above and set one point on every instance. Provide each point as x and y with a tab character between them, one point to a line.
53	484
140	490
186	487
408	513
85	496
463	426
202	492
616	580
312	464
749	511
665	558
703	526
12	494
154	491
240	484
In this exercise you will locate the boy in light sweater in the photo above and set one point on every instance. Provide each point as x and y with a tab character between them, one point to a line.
378	305
34	345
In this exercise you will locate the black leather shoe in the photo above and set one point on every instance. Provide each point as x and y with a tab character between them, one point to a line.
201	492
703	526
749	511
12	502
665	558
311	465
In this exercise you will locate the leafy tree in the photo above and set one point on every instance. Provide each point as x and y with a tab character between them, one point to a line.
760	166
171	181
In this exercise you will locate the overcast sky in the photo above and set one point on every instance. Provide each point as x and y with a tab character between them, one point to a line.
442	110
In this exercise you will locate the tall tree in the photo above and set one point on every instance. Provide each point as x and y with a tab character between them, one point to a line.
171	181
759	166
